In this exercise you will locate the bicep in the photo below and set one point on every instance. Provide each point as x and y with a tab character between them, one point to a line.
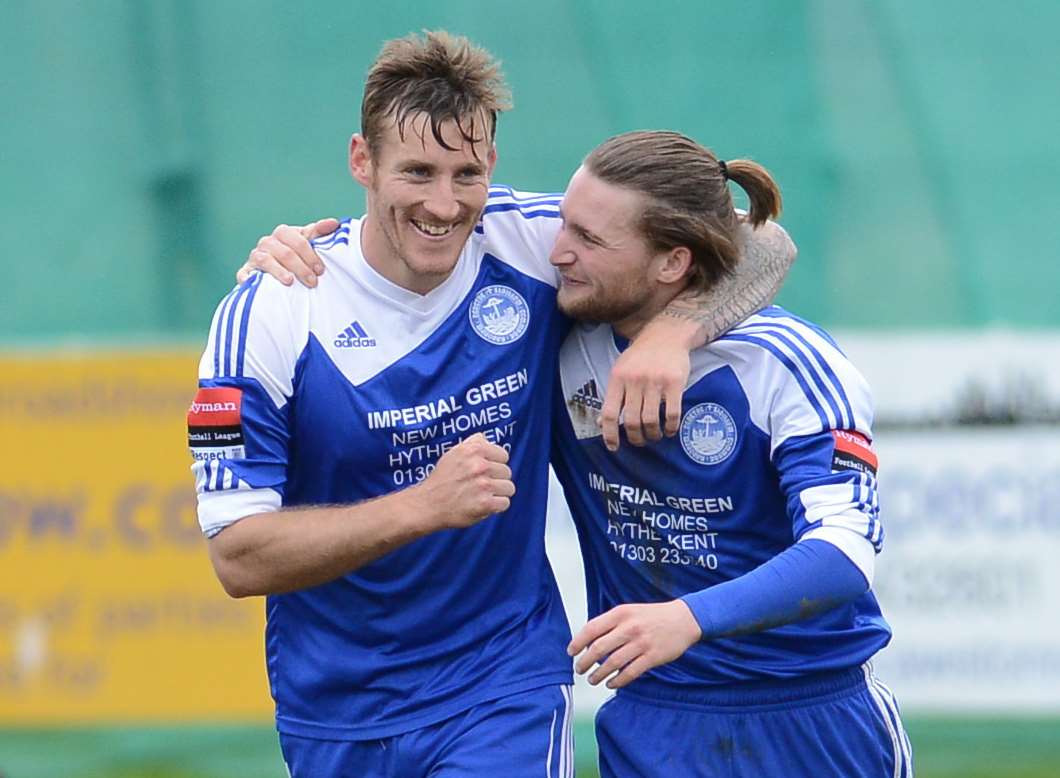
238	424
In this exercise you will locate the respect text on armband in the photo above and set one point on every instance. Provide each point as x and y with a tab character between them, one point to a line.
646	525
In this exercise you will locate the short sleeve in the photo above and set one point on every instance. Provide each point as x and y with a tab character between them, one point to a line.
238	423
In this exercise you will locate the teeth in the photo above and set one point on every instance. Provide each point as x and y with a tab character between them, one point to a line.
432	229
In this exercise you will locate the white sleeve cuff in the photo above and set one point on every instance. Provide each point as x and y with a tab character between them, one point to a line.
219	509
857	548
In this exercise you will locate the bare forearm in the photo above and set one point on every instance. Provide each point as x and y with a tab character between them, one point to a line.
272	553
767	255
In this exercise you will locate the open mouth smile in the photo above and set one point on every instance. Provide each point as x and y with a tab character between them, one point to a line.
432	230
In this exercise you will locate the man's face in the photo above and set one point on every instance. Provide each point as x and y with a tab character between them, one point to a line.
605	263
423	199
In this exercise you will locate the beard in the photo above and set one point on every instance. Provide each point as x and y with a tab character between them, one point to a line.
604	306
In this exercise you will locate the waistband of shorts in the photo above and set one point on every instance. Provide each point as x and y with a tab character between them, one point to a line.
769	692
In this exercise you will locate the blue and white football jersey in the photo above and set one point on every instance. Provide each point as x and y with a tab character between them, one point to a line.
354	389
774	447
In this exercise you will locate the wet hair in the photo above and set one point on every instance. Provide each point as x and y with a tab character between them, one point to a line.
443	76
687	201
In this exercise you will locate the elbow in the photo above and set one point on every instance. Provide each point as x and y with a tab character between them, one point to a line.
237	588
236	583
786	247
791	250
238	577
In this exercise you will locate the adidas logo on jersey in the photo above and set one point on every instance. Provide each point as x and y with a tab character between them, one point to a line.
354	336
588	396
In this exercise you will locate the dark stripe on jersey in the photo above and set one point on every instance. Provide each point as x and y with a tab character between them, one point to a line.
218	479
878	543
327	241
214	473
231	316
776	312
792	368
825	366
863	506
243	325
222	309
524	210
335	239
871	508
500	190
833	379
526	214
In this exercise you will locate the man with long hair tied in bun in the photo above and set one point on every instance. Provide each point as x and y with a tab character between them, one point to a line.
729	567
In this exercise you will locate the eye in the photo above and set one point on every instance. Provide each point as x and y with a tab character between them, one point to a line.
585	237
579	232
469	173
417	171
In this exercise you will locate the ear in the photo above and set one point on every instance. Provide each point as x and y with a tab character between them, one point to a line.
674	265
491	160
360	160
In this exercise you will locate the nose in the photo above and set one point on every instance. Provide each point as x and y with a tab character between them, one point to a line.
441	202
561	253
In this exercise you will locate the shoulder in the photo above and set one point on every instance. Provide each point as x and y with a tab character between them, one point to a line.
801	366
268	298
259	316
520	228
340	237
779	333
521	204
514	211
338	249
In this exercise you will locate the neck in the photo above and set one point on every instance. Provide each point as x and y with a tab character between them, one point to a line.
630	326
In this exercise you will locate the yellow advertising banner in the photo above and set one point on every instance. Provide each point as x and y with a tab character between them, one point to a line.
109	609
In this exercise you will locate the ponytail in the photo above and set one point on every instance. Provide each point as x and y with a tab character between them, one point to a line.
761	189
686	200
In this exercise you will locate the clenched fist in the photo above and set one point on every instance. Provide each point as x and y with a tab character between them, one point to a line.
470	482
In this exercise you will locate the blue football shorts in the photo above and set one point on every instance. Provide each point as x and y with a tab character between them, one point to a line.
844	724
525	734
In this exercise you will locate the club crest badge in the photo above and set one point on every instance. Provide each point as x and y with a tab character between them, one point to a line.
499	315
708	434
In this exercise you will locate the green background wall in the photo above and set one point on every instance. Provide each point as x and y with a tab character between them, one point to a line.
146	144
